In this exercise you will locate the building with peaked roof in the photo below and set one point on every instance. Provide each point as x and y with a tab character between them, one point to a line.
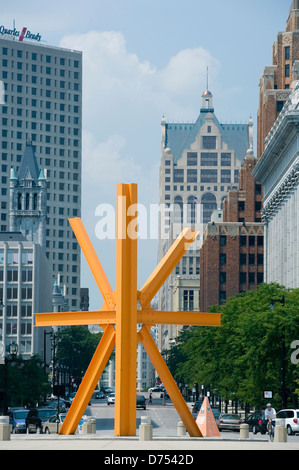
28	199
200	162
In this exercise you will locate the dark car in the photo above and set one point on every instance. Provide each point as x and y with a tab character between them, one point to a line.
196	407
141	402
36	418
257	423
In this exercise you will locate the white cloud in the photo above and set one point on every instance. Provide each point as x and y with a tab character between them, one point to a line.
103	161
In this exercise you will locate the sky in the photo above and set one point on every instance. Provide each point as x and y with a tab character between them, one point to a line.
143	60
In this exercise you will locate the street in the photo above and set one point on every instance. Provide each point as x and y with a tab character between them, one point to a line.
164	419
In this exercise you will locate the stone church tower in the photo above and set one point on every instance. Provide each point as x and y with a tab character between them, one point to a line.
28	199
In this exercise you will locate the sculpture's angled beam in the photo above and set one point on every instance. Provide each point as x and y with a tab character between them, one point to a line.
169	382
89	382
166	266
153	317
93	262
98	317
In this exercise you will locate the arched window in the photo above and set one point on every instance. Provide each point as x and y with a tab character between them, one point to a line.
35	202
19	201
178	210
191	210
209	204
27	199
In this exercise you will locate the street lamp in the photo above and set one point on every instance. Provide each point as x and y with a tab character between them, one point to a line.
283	354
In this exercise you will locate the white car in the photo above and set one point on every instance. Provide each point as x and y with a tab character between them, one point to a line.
53	424
291	418
111	399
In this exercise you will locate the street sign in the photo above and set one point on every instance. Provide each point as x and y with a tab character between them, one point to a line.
268	394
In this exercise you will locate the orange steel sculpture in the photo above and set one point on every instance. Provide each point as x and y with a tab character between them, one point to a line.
119	317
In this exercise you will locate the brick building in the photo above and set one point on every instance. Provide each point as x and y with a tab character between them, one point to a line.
276	81
232	253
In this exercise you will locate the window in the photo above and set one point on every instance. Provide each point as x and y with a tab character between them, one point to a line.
243	259
225	176
209	176
258	206
258	189
287	70
222	296
260	241
279	106
222	278
251	278
209	159
209	142
178	175
191	159
209	203
260	259
251	258
243	278
222	259
251	241
260	278
188	300
223	240
178	210
243	241
191	176
287	54
241	206
226	159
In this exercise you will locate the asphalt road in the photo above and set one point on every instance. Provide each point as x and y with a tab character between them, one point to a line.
164	420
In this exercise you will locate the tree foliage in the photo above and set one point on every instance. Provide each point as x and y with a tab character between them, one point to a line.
243	357
75	347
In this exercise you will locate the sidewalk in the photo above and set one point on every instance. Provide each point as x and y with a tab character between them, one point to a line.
107	443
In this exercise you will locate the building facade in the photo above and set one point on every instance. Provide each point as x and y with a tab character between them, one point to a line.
43	104
232	253
200	162
278	171
276	81
25	288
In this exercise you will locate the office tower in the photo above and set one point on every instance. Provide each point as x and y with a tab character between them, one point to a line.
276	81
43	105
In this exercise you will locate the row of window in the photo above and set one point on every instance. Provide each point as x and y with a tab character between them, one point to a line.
209	159
206	176
251	259
49	59
251	277
13	257
12	293
13	275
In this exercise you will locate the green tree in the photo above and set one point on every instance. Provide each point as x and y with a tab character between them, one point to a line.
244	356
26	381
75	347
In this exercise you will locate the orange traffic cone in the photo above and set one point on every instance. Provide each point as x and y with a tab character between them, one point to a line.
206	421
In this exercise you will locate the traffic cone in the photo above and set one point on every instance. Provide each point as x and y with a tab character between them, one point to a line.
206	422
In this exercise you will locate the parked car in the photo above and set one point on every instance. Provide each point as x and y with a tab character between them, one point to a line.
196	407
141	402
111	399
216	414
108	390
157	388
36	418
17	419
53	424
72	396
98	396
291	420
229	422
257	423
